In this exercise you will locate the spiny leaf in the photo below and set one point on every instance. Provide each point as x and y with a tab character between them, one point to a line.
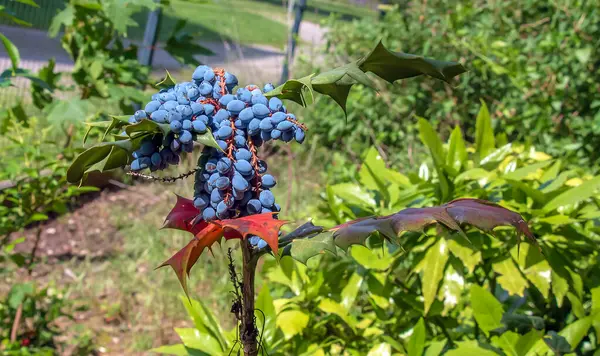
478	213
182	217
388	65
183	261
146	126
303	249
392	66
167	82
93	158
264	226
102	157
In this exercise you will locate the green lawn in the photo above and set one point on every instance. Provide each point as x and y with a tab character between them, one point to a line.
219	20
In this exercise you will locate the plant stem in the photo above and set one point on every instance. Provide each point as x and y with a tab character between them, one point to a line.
248	332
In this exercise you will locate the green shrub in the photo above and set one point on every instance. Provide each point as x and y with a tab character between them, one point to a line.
438	292
536	63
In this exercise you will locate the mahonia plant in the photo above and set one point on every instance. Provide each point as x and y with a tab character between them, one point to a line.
232	197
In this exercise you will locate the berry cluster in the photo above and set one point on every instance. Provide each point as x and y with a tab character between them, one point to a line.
234	182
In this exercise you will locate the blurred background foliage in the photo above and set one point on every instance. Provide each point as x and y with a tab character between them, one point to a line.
535	63
521	129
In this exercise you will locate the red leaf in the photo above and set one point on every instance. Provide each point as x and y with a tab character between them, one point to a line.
182	217
262	225
183	261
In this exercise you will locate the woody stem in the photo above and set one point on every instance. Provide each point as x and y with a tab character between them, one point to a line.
248	332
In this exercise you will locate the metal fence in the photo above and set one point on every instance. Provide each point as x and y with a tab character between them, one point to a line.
39	17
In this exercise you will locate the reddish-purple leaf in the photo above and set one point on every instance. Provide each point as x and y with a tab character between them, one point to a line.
479	213
182	217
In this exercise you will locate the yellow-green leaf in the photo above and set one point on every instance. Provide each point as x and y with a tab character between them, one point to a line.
433	266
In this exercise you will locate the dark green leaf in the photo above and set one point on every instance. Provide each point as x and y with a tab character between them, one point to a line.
388	65
299	91
392	66
102	157
558	344
303	249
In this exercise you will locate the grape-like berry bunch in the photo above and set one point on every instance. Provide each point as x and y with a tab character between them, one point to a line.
234	182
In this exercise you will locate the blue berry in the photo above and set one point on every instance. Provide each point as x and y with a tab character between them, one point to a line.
224	132
209	214
275	134
209	76
275	104
199	126
236	106
265	124
197	108
254	127
261	243
222	183
222	144
199	72
201	202
243	154
185	136
268	181
239	141
159	116
278	117
186	125
299	135
285	125
239	183
259	99
267	199
262	166
260	111
140	115
175	126
268	87
243	166
287	136
209	109
224	165
205	88
211	166
226	99
254	206
244	95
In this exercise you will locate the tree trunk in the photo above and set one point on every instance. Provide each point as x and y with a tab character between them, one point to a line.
248	333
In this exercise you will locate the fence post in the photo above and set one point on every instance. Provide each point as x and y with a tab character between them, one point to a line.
291	46
150	36
149	42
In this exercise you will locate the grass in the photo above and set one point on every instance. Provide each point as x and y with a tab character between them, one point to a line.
221	20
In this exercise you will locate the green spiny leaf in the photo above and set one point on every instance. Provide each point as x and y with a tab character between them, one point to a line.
303	249
390	66
167	82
